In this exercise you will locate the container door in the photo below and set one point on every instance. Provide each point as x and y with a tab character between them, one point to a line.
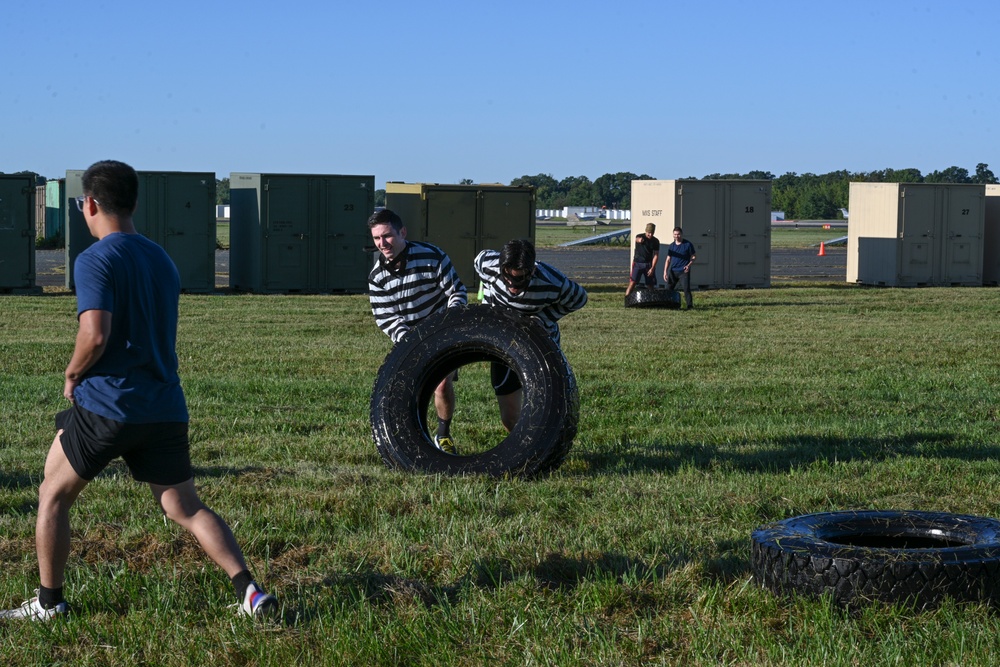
78	236
349	202
504	215
918	219
453	226
286	235
17	232
188	227
700	217
749	236
962	236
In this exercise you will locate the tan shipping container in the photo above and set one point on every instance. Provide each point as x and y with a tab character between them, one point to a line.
729	223
916	234
991	237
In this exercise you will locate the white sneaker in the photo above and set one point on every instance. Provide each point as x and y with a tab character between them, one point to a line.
257	603
32	610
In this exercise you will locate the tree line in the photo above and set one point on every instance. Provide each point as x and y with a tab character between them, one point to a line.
801	196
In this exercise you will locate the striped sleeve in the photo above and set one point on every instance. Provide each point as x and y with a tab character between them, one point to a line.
427	285
550	295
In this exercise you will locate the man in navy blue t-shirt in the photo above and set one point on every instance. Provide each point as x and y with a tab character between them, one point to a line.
677	269
126	398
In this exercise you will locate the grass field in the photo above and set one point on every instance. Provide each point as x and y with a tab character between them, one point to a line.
696	427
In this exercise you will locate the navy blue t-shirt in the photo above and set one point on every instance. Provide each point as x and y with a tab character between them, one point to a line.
135	380
680	254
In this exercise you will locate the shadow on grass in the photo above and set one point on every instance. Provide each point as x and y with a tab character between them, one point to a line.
780	456
556	572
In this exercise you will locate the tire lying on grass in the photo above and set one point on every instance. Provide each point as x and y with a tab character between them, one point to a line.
916	558
442	344
645	297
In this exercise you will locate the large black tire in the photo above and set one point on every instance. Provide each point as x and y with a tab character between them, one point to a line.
916	558
441	344
644	297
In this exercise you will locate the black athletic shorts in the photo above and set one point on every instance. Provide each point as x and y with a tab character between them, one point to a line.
155	453
504	379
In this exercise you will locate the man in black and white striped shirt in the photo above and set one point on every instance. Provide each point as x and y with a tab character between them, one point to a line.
410	281
513	279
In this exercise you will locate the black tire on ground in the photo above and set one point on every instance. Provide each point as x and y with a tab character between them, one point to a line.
443	343
856	557
644	297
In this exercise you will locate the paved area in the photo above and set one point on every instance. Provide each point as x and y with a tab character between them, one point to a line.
591	265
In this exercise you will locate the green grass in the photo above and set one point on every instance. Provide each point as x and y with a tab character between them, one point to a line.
695	428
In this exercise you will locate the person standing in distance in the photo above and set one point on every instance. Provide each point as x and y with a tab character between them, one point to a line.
126	396
513	279
680	257
410	281
647	254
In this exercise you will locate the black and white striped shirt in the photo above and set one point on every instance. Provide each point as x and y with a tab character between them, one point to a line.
421	282
549	296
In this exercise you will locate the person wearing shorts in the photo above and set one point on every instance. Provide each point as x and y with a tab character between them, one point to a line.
512	279
409	282
644	259
125	396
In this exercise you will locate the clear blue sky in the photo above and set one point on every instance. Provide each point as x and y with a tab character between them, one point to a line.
440	91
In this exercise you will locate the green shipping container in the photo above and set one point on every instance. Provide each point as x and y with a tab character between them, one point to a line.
175	210
300	232
17	234
55	212
463	220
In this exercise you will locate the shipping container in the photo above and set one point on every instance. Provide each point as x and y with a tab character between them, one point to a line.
176	210
18	195
916	234
991	237
40	211
55	211
728	221
300	232
464	220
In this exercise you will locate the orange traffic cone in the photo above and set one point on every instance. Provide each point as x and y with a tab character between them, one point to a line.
822	249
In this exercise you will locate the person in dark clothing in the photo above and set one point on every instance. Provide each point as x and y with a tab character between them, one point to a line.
647	254
677	270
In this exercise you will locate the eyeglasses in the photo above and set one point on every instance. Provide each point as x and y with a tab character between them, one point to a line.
81	199
519	283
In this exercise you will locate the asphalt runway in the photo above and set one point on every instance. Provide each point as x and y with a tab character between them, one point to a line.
588	265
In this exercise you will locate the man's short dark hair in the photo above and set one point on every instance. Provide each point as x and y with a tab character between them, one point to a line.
114	185
678	229
385	217
517	254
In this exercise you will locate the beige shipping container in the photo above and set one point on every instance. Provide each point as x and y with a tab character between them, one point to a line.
729	223
463	220
991	237
916	234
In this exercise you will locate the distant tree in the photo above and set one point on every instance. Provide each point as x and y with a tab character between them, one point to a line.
818	205
615	190
949	175
545	188
380	197
222	190
574	191
465	181
983	174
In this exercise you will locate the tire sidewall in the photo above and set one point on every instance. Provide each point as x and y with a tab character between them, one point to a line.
458	336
